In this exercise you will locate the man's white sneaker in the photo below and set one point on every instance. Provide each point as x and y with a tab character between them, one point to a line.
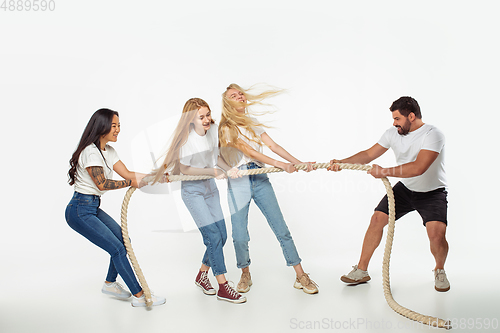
441	283
115	289
356	276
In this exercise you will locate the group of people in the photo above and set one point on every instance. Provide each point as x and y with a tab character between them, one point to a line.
200	147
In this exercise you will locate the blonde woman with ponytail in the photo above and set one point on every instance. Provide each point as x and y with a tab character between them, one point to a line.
194	151
241	139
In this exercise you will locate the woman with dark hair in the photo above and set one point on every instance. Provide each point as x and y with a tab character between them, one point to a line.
91	170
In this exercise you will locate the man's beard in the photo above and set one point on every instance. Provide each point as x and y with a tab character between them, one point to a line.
405	129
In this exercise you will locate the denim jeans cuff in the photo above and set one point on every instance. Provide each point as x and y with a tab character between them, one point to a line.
219	273
244	266
295	263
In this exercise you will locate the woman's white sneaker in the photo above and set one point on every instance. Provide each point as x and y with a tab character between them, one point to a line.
141	301
115	289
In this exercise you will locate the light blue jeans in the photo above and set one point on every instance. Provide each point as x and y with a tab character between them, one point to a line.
201	198
257	187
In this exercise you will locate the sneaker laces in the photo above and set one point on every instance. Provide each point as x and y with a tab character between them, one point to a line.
204	279
356	268
142	298
114	286
119	286
439	274
309	281
245	276
230	289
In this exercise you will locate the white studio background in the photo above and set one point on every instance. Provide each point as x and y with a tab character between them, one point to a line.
342	64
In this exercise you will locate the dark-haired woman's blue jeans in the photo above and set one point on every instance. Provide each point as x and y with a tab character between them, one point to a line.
85	217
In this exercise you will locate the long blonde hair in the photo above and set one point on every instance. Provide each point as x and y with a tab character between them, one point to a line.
171	162
232	120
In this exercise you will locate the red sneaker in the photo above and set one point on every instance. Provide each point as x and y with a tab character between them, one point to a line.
203	282
227	293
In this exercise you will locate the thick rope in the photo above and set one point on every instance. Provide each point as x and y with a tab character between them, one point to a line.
130	251
427	320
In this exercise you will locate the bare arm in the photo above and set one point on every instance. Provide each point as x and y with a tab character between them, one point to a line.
366	156
103	184
246	149
189	170
277	149
136	177
363	157
424	160
122	170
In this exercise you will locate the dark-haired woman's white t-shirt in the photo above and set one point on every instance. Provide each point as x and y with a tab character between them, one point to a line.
90	157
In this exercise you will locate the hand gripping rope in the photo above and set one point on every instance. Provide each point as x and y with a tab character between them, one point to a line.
427	320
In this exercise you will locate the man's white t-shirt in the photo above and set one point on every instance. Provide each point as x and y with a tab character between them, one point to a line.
406	149
244	132
201	151
91	156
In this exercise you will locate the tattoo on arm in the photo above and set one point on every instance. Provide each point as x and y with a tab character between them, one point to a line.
97	175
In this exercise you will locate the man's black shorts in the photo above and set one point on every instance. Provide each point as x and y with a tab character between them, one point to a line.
432	205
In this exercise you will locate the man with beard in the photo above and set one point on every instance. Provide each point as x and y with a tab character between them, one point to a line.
419	150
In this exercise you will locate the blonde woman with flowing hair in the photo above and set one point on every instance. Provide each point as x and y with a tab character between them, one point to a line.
195	151
241	139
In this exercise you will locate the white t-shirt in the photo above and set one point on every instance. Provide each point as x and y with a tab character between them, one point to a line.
201	151
258	131
91	156
406	149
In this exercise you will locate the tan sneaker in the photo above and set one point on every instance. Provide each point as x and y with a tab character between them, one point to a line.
305	283
245	283
356	276
441	283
